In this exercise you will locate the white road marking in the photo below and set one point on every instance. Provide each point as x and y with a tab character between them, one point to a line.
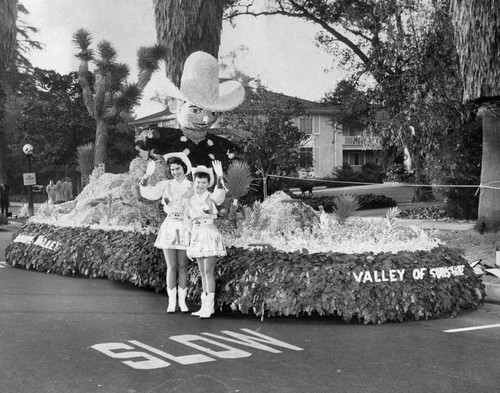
497	325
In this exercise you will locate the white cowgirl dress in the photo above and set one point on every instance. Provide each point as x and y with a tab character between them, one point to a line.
172	234
200	213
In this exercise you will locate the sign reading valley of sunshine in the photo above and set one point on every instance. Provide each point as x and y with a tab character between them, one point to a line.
40	241
393	275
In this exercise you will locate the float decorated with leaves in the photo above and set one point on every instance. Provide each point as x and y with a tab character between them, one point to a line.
284	258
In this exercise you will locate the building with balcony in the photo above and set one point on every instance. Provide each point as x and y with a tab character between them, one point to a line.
329	145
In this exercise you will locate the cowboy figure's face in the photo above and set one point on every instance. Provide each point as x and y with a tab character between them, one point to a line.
193	117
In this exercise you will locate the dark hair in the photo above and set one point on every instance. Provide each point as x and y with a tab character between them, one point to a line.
178	161
202	175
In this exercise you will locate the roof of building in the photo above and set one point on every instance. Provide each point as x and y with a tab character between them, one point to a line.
311	107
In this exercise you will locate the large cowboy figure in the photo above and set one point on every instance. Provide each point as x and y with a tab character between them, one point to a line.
196	104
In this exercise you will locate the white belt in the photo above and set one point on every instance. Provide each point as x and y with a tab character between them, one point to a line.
202	221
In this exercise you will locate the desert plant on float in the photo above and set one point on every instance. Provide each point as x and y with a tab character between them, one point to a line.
238	179
85	160
346	205
390	216
254	216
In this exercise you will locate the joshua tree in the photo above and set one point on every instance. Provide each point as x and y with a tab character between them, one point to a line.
111	94
477	33
185	27
8	16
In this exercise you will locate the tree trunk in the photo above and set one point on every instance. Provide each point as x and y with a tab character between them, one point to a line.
3	133
488	218
101	142
8	17
187	26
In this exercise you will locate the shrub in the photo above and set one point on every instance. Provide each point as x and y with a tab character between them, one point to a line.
370	173
366	201
373	201
265	281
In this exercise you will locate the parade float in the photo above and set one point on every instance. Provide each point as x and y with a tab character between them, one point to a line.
283	259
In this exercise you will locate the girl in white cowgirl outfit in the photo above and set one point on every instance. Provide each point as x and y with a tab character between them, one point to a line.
206	242
171	235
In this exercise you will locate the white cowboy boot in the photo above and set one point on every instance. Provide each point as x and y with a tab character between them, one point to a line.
172	299
203	301
208	310
182	299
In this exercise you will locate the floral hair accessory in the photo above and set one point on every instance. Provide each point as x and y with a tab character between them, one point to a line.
148	133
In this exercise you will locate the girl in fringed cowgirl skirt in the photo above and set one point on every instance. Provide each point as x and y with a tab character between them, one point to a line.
206	242
171	235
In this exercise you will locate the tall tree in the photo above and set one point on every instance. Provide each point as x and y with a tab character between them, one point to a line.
270	138
477	29
53	118
404	47
110	94
8	31
185	27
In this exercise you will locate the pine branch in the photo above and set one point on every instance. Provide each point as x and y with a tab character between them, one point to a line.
82	38
106	51
118	75
148	61
127	98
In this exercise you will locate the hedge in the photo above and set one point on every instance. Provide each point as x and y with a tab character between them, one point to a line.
264	281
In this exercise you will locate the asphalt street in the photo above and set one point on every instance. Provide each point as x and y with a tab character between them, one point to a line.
67	334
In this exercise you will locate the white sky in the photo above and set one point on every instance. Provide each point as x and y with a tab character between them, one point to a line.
281	51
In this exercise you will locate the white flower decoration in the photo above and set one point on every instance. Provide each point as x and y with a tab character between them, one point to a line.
184	138
186	152
211	156
209	142
230	155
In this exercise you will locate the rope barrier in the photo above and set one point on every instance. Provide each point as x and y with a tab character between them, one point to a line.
478	186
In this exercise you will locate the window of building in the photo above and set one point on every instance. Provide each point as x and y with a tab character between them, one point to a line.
306	124
306	157
356	159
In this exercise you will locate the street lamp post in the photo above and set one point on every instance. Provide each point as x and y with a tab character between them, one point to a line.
28	151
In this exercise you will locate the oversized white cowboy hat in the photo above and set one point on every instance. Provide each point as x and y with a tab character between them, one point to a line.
200	85
183	157
204	169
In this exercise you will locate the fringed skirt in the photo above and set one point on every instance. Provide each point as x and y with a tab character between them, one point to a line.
206	241
171	235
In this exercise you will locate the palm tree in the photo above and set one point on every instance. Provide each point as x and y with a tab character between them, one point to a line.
477	34
8	44
111	94
185	27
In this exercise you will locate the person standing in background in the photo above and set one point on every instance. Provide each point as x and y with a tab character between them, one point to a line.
59	192
51	192
4	198
68	189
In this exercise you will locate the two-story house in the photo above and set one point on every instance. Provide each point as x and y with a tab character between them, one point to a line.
329	145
